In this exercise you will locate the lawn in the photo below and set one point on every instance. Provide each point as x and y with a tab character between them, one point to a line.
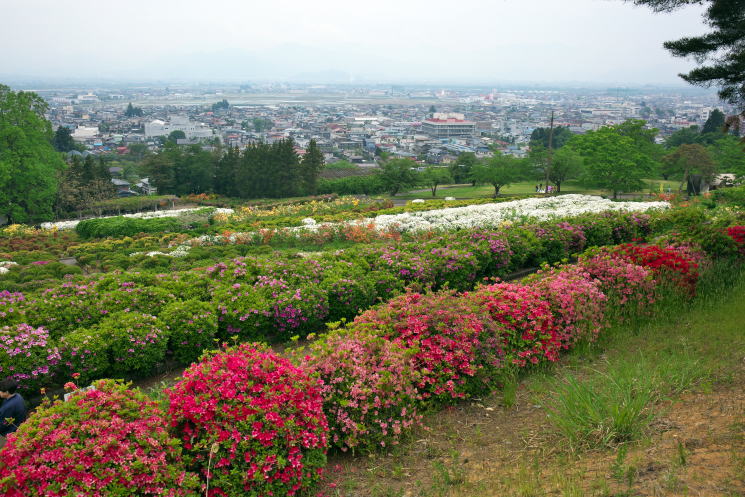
524	188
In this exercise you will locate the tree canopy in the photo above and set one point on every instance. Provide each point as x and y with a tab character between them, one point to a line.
720	52
499	171
562	135
613	160
398	174
29	165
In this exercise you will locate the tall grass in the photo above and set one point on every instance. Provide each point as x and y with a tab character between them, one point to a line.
646	360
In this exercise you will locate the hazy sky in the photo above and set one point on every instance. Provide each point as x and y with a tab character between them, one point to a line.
479	41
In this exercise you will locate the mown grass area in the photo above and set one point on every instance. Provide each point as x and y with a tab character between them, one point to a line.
655	407
527	187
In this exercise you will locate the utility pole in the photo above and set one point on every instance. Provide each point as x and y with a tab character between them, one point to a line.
550	157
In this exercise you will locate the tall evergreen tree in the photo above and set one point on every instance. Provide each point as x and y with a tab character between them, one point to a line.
63	141
311	166
715	122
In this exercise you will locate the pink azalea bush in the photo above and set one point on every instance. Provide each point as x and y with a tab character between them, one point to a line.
252	423
103	442
576	301
368	389
457	351
529	332
85	352
630	288
28	355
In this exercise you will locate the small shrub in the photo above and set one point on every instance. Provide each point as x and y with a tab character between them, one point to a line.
28	355
368	388
107	441
456	351
137	342
86	353
528	330
192	327
252	422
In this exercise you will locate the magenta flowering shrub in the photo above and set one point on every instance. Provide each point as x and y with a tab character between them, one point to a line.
456	350
369	392
493	251
100	443
252	423
630	288
529	332
576	301
12	310
28	355
191	326
136	342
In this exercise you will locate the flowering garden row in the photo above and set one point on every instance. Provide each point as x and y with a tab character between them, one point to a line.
128	324
245	421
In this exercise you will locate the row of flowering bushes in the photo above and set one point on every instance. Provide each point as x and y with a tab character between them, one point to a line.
130	324
244	421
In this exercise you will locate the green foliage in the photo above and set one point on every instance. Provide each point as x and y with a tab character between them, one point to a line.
353	185
132	111
566	164
83	184
561	136
398	174
192	327
499	171
613	160
28	163
310	167
686	160
221	105
461	168
136	342
729	155
176	135
715	122
125	226
86	352
433	177
63	141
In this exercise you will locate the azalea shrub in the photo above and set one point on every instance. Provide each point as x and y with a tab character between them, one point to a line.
86	353
630	288
136	342
668	264
28	355
456	349
576	301
191	326
107	441
528	331
251	422
369	387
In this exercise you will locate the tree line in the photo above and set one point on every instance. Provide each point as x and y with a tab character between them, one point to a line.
260	170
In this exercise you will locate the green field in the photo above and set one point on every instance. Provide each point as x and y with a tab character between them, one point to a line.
524	188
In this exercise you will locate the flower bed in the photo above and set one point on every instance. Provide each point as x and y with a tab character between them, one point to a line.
102	442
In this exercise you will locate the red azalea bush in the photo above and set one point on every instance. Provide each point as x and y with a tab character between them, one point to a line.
529	331
629	287
457	350
667	263
252	422
737	233
368	388
27	355
102	442
576	301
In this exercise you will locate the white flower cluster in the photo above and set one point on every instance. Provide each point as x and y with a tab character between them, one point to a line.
471	216
68	225
179	251
491	215
5	266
